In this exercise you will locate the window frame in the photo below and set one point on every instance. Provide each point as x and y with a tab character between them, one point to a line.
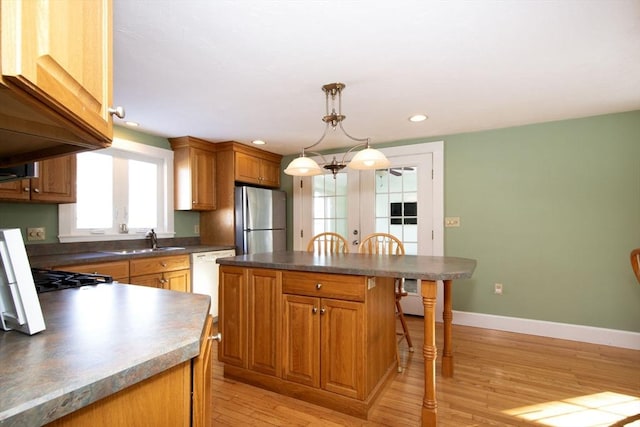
67	231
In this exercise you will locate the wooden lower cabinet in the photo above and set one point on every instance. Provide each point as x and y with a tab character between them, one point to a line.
172	280
325	338
232	318
201	368
118	270
179	396
265	319
323	344
165	272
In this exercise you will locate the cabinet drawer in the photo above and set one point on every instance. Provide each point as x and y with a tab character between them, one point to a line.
140	266
338	286
118	270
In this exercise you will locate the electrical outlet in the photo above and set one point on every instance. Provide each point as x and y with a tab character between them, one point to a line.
196	229
452	221
497	288
35	233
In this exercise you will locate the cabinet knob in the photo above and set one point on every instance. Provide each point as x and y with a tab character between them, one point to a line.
117	111
216	337
323	310
314	310
36	190
164	264
318	285
26	189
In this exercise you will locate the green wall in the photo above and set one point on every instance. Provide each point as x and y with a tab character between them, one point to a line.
551	211
23	215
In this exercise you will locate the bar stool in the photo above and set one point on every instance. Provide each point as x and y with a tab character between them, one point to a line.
328	243
388	244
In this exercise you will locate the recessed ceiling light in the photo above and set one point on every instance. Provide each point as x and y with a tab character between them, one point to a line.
132	124
418	118
258	142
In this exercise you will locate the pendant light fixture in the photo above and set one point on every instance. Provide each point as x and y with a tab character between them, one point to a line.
369	158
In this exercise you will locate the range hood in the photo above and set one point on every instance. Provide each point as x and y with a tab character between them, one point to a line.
12	173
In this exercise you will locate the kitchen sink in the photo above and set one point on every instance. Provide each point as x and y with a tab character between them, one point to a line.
143	251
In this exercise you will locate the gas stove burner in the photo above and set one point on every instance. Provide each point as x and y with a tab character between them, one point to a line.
55	280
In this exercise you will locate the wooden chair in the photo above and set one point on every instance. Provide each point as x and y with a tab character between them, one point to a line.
328	243
635	262
388	244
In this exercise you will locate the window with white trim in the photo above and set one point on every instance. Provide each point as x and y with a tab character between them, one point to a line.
122	192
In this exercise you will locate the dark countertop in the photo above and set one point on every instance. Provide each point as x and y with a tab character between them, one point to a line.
98	340
88	257
407	266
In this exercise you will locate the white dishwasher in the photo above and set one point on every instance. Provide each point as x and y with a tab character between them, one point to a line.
204	275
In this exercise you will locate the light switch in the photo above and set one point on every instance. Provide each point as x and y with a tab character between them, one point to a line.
452	221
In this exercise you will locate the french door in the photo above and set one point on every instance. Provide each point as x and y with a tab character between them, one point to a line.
404	200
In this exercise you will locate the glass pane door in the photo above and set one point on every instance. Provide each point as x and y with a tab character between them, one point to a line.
330	204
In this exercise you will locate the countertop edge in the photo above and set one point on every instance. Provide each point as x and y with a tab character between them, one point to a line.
66	402
49	261
407	266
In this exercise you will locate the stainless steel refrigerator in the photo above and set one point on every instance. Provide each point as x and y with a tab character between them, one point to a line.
260	220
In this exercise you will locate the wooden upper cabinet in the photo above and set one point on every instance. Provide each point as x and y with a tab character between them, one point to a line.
194	168
257	170
56	183
56	78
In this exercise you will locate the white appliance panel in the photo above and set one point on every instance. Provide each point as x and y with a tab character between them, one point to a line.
205	275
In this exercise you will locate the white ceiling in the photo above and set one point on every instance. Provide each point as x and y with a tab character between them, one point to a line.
253	69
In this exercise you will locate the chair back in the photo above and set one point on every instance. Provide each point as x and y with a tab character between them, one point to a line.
381	244
328	243
635	262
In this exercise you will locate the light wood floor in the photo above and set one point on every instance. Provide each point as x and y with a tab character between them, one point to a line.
497	375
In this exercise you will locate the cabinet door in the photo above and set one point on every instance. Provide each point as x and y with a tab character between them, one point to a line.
159	264
232	318
203	178
201	407
342	345
270	174
58	54
16	190
151	280
247	168
301	336
56	182
177	280
265	317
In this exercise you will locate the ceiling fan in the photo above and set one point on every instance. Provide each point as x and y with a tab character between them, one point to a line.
398	171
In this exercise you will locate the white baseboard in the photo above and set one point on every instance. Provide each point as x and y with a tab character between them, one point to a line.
590	334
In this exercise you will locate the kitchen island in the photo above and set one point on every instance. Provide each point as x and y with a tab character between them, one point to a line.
112	355
288	300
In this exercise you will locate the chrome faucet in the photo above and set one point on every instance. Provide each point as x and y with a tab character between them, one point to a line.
154	239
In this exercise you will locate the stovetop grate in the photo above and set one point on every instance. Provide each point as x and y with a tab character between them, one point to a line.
54	280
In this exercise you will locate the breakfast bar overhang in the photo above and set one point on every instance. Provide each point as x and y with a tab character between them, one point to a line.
428	269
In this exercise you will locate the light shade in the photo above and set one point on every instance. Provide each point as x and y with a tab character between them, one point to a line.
303	166
369	158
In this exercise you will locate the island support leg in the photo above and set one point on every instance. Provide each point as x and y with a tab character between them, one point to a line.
429	404
447	317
